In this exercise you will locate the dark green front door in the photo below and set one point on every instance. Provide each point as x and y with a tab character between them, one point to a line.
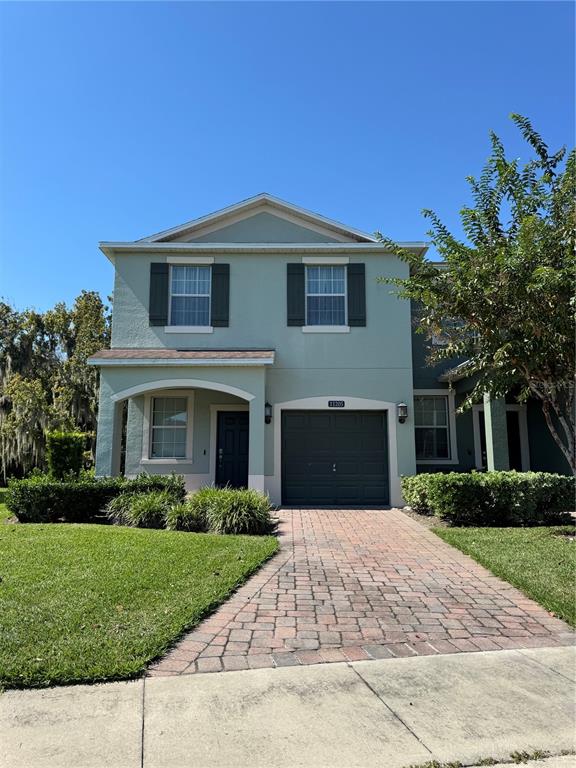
232	449
334	458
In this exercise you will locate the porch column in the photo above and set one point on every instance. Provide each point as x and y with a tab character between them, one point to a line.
256	444
109	435
496	433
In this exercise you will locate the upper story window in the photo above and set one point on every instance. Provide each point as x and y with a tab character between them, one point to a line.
326	295
190	293
169	426
431	427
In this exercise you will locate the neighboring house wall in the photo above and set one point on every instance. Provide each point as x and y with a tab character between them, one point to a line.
545	456
542	452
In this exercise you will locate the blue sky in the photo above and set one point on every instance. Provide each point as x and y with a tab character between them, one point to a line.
122	119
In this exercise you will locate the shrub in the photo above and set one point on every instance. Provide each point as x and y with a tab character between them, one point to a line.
42	499
186	516
415	492
230	510
140	510
492	498
173	485
65	453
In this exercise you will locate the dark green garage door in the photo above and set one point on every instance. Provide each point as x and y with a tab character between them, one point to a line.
334	458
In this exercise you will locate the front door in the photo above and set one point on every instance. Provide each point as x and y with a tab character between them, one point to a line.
232	449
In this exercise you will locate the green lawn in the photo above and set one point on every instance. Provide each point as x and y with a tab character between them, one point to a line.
4	514
539	561
93	602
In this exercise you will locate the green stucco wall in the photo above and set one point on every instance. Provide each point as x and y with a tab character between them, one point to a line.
261	228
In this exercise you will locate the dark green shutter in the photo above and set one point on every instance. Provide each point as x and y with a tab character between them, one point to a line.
158	307
220	295
356	294
296	294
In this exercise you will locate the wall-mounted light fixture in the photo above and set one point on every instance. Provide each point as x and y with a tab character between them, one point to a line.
402	411
267	413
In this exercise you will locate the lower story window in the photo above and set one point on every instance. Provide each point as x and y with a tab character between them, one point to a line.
431	427
169	425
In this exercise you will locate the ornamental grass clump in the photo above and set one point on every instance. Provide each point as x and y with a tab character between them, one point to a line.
140	510
233	510
187	516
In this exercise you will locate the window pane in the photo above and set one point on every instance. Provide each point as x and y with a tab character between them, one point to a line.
326	280
326	310
431	443
431	410
169	412
191	281
190	310
168	443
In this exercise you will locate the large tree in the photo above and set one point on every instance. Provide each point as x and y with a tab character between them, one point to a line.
504	298
45	382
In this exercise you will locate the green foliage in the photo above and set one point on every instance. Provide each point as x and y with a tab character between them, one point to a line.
231	510
504	298
65	453
42	499
87	603
492	498
415	492
140	510
45	383
187	516
539	561
173	485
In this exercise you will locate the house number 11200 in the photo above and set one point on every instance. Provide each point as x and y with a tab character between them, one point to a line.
336	404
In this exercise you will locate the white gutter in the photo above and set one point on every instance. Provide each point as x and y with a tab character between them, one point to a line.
110	248
106	362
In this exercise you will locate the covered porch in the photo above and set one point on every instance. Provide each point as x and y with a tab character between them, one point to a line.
199	413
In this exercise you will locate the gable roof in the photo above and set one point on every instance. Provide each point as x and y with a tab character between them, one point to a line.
258	204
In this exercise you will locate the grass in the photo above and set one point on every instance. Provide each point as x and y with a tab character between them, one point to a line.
4	514
83	603
539	561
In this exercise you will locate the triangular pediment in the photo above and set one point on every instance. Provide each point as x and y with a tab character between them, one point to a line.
261	219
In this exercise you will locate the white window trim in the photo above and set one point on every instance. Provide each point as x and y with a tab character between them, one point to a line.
170	326
147	429
523	425
191	261
188	329
450	394
329	261
325	328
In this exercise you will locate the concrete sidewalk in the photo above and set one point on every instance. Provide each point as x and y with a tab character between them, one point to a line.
390	714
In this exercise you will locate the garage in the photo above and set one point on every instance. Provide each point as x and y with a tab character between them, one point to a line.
335	458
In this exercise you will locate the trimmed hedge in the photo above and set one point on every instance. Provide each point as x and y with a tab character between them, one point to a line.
41	499
65	453
492	498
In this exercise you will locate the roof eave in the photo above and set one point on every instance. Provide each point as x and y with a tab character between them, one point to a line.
138	247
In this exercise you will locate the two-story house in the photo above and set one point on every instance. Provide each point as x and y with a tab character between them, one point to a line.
255	347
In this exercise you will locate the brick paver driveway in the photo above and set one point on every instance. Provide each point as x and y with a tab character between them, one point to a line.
357	584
